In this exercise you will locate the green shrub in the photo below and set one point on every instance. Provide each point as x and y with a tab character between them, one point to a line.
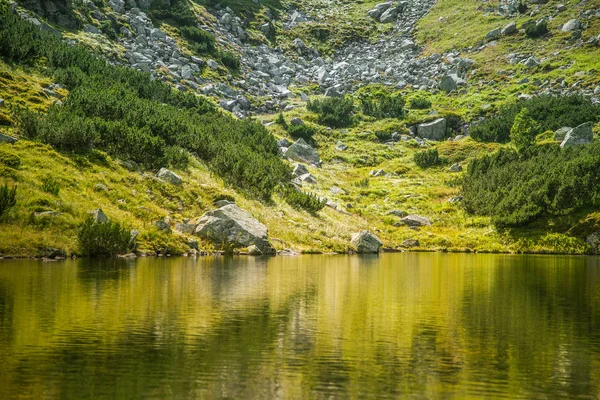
102	238
8	198
515	188
524	130
383	136
427	158
420	103
202	42
301	200
550	112
536	30
177	12
383	105
333	111
363	183
280	120
229	59
9	159
107	28
50	185
304	131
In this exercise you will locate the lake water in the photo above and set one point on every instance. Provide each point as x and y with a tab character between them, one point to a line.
411	325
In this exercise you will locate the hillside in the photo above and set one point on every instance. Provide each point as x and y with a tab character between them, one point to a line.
421	152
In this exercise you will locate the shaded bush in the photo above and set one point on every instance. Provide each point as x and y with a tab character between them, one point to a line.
102	238
427	158
229	59
383	105
304	131
280	120
201	41
536	30
8	198
420	103
550	112
515	188
524	130
9	160
333	111
383	136
301	200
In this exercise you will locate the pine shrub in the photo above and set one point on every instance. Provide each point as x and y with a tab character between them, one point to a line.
427	158
301	200
8	198
334	112
102	238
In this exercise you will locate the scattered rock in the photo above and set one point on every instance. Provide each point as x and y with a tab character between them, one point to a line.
253	250
410	243
560	134
493	35
398	213
337	190
572	25
301	151
416	220
299	170
509	29
581	134
593	241
296	121
435	130
161	225
455	168
8	139
98	215
185	228
366	242
169	176
235	227
378	172
448	83
341	146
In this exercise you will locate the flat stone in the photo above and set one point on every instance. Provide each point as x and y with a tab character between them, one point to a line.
366	242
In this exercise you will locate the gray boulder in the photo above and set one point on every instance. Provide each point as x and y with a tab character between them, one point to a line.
509	29
494	34
366	242
300	169
302	152
434	130
581	134
339	146
296	121
8	139
161	225
456	167
560	134
593	241
449	83
410	243
397	213
572	25
235	227
169	176
98	215
388	15
416	220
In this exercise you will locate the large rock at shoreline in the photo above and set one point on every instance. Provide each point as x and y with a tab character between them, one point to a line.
301	151
235	227
434	130
581	134
366	242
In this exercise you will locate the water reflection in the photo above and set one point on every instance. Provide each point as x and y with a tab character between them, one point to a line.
402	325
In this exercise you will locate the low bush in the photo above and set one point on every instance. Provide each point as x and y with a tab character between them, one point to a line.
383	105
202	42
550	112
280	120
420	103
427	158
536	30
50	185
524	130
301	200
8	198
383	136
304	131
334	112
515	188
229	59
102	238
9	159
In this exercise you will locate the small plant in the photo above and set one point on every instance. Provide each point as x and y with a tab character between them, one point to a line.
420	103
230	60
524	130
333	111
8	198
363	183
280	120
427	158
102	238
9	160
50	185
305	132
383	105
383	136
536	30
522	7
301	200
201	41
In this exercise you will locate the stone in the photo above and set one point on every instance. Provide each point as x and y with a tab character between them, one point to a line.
284	143
8	139
307	178
416	220
223	202
455	199
341	146
300	169
509	29
410	243
493	34
378	172
337	190
388	15
169	176
162	226
531	62
212	64
232	226
572	25
434	130
185	228
296	121
366	242
253	250
302	152
92	29
455	168
593	241
448	83
560	133
397	213
98	215
579	135
100	187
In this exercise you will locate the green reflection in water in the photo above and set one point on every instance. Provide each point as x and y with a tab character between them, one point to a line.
397	325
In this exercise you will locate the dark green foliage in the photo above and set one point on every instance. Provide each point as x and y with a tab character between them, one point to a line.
536	30
202	42
280	120
50	185
383	105
129	115
383	136
522	7
102	238
420	103
108	29
230	60
427	158
301	200
8	198
363	183
176	12
551	113
524	130
333	111
9	160
515	188
304	131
